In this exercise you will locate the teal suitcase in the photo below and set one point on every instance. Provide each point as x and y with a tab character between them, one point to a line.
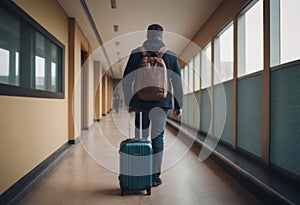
135	166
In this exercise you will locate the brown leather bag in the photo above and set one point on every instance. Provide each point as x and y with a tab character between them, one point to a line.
152	82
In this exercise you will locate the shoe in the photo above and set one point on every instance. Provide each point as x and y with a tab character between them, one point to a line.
156	182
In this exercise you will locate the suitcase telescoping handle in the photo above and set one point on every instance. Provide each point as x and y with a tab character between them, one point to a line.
141	126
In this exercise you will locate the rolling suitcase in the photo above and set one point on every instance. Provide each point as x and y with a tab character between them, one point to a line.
135	165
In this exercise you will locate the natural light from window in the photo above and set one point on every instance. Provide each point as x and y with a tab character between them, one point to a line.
4	62
250	40
197	71
206	67
224	56
40	72
290	30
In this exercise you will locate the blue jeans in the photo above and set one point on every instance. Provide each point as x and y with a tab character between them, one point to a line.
158	117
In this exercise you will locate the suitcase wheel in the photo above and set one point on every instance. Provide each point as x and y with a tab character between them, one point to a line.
148	191
123	189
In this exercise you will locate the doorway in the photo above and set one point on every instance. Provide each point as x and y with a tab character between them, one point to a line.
84	91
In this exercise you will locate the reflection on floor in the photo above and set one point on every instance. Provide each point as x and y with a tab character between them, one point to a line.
88	174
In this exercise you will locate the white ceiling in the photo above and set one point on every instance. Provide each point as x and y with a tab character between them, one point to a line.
181	20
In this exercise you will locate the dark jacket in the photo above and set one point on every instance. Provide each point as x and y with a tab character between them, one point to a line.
174	78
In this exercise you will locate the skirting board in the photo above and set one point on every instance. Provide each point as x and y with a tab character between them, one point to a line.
26	184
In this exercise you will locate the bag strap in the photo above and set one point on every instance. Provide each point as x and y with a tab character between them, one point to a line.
160	53
143	51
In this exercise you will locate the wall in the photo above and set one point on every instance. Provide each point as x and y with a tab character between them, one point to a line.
83	100
33	128
81	44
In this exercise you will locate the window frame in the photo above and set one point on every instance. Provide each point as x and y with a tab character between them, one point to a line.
30	91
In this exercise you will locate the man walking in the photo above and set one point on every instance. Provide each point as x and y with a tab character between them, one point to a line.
153	111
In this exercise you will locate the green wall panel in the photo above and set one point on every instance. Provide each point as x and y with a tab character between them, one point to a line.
285	118
197	111
223	111
185	110
190	110
205	110
249	115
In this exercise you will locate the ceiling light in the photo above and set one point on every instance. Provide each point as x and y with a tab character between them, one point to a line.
116	28
113	4
117	43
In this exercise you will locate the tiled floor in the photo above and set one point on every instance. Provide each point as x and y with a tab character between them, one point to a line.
88	174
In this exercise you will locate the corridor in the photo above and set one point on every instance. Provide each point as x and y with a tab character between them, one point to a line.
86	174
63	64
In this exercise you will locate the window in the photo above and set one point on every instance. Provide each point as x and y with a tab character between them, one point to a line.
285	32
4	65
181	70
185	79
45	64
30	57
9	48
223	53
206	67
191	75
40	73
197	71
53	76
250	40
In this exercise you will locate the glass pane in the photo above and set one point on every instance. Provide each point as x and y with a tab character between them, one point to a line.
40	69
290	30
206	67
40	73
224	56
54	63
53	76
251	40
197	71
4	66
40	45
9	48
254	38
185	79
182	77
17	66
191	75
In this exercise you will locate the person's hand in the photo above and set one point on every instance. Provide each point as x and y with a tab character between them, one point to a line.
177	112
132	109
